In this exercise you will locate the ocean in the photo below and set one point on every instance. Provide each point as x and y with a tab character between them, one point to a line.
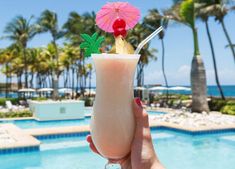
229	91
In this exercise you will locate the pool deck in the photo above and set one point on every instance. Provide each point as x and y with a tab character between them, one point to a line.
153	124
13	137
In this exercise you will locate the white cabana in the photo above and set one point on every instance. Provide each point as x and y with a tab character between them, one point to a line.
45	90
178	88
65	90
24	90
158	88
140	88
91	92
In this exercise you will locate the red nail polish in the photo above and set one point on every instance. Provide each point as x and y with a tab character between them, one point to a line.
138	101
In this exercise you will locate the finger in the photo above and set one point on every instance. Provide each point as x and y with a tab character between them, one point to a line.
91	144
141	116
120	161
93	148
89	139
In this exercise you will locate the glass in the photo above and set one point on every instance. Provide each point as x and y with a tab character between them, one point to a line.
112	122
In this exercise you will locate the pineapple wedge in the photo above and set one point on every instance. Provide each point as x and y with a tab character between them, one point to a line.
122	46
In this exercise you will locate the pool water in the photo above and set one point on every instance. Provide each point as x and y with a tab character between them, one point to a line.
152	112
26	124
175	151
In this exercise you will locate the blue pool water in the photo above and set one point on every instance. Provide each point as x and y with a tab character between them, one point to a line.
26	124
175	151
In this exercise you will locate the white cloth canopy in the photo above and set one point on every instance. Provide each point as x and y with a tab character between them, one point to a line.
140	88
92	92
45	90
26	90
158	88
177	88
65	90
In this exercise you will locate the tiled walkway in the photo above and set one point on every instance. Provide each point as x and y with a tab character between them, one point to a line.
13	137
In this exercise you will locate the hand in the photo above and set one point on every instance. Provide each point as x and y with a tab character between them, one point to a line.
142	154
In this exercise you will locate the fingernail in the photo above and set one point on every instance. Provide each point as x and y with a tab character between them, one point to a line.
138	101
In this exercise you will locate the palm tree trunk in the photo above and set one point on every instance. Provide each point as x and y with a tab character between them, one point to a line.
214	60
228	38
73	82
6	85
64	76
55	73
25	67
198	80
31	81
90	73
163	68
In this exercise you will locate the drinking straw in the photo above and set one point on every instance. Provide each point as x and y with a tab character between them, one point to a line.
146	40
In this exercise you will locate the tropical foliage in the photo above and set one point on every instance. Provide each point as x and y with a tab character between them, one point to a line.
39	67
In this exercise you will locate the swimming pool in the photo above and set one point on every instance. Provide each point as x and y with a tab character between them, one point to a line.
26	124
175	150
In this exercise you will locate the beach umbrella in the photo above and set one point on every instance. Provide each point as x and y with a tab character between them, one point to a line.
26	90
65	90
158	88
45	90
140	88
114	10
178	88
91	92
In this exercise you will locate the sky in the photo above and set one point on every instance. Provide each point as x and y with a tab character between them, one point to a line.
178	38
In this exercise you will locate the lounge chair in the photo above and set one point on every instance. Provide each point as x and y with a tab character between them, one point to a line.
177	105
10	106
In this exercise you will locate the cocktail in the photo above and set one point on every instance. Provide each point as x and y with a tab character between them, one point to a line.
112	121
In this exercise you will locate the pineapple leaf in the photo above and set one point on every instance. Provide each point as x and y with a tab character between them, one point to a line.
86	37
91	44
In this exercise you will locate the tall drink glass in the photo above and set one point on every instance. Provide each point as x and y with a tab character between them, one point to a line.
112	122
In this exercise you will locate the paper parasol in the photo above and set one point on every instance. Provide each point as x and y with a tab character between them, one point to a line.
111	11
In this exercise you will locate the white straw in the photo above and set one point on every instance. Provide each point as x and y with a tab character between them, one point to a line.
146	40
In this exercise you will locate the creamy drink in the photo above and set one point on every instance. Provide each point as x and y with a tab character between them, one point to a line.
112	122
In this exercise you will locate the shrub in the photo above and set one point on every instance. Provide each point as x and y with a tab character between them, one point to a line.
217	104
39	98
88	102
228	109
224	106
184	97
14	101
13	114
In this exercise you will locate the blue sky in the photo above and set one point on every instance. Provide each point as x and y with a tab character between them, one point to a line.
178	39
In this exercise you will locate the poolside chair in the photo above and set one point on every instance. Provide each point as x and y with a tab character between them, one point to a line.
177	105
10	106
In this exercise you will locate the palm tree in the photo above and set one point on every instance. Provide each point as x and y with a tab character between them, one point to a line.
184	12
218	9
21	31
135	36
204	12
5	59
49	23
69	57
152	21
17	63
76	25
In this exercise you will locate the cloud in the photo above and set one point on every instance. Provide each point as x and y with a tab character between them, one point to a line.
226	76
182	76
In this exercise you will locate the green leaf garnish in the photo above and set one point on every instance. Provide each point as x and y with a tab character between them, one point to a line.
91	44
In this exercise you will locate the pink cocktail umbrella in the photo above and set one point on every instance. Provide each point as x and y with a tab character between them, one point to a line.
113	10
